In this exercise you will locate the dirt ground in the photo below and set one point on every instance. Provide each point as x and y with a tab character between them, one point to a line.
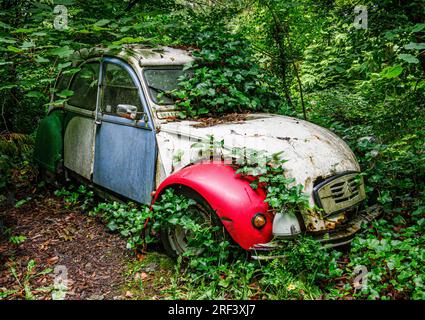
67	244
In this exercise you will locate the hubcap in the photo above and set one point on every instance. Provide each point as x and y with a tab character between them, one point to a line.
179	237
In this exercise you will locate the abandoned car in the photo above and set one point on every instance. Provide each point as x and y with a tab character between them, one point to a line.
116	134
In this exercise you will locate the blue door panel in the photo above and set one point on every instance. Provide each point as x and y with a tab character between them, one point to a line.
125	159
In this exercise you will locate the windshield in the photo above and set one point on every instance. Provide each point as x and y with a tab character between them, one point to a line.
160	82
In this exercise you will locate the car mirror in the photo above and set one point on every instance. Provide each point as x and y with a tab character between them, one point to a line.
127	111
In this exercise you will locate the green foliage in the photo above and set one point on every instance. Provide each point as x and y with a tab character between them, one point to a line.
282	193
213	268
17	239
298	274
366	85
25	280
393	256
81	197
217	270
225	78
128	219
15	161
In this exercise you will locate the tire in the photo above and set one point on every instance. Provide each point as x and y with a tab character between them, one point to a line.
174	237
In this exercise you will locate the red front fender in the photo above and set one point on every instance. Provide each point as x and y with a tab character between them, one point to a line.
231	196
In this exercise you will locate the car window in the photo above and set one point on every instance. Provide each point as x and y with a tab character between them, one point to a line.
160	81
84	86
61	84
119	89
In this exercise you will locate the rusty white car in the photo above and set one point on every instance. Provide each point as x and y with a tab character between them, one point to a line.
116	134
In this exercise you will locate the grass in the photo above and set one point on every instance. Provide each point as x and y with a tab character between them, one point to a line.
149	277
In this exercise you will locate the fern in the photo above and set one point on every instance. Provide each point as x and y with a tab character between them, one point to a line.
13	144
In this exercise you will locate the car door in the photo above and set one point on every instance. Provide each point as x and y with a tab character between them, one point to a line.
125	143
79	135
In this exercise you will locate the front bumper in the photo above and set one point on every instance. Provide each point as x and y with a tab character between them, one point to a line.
267	251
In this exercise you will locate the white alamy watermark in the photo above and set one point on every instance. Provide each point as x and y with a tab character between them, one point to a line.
60	282
360	20
61	20
360	281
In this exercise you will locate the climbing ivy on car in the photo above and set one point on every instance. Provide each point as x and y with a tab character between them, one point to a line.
224	78
268	171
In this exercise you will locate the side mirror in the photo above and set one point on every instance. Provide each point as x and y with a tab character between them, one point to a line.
127	111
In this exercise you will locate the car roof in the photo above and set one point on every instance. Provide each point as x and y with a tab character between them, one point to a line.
162	55
144	55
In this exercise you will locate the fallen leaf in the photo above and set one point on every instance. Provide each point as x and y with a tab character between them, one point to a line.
53	260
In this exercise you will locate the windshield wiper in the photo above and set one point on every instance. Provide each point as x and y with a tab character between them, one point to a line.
167	93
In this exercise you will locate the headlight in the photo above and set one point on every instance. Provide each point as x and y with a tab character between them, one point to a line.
259	220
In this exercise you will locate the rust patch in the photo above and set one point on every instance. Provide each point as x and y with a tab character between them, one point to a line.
286	138
229	118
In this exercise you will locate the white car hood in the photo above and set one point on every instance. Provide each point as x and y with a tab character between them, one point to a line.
311	151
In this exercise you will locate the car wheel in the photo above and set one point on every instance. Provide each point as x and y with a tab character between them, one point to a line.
175	238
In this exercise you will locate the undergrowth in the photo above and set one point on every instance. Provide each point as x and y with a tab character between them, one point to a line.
212	269
388	251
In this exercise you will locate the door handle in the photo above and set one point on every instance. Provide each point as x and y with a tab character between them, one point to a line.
97	121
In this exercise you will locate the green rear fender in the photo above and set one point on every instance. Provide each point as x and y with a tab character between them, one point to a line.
49	141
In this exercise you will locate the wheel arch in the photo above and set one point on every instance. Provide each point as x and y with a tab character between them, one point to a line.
48	150
229	195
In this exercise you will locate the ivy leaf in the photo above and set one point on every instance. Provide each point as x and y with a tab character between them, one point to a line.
4	25
64	65
28	44
23	30
13	49
10	41
65	93
102	22
391	72
408	58
128	40
418	27
34	94
415	46
112	225
211	92
203	111
56	103
41	59
61	52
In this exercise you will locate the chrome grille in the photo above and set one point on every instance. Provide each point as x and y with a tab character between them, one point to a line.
339	192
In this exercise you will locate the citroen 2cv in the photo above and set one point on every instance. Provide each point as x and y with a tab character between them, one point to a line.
117	135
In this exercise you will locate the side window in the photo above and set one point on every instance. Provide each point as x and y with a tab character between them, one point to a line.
119	89
61	84
84	86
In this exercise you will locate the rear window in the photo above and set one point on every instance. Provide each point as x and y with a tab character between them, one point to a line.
84	86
